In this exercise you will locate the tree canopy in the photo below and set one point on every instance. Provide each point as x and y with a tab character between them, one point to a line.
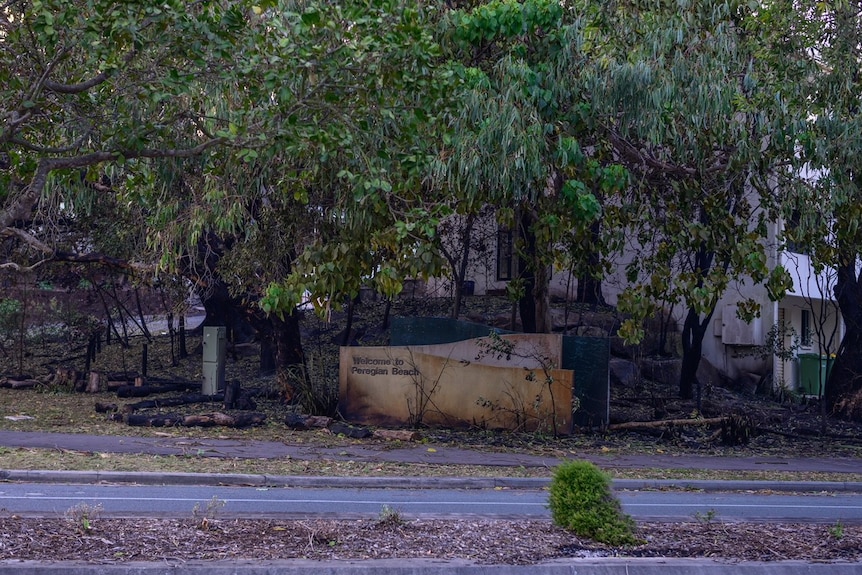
296	150
93	84
681	99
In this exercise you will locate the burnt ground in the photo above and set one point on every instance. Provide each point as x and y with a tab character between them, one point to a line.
761	424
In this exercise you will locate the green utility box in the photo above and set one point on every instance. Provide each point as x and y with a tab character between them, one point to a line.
813	373
214	351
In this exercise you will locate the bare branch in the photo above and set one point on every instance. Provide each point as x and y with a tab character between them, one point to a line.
68	257
8	4
44	150
187	153
23	205
75	88
648	160
20	268
28	239
16	120
102	259
61	88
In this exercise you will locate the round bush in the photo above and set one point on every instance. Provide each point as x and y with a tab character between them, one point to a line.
581	501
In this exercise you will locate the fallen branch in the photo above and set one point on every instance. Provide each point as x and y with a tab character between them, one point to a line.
664	423
303	422
397	434
170	402
145	390
162	420
223	419
21	383
103	407
199	420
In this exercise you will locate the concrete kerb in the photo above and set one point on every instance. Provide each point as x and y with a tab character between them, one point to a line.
603	566
159	478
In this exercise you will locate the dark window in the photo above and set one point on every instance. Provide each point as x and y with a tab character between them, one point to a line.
505	255
792	228
805	336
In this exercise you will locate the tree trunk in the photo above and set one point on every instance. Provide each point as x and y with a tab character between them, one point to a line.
384	325
96	382
144	327
586	291
459	271
266	365
527	275
183	352
351	308
694	329
288	353
542	299
171	333
693	332
590	288
535	303
66	377
589	291
844	387
231	394
222	309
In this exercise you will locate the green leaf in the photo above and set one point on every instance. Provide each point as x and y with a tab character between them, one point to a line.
311	18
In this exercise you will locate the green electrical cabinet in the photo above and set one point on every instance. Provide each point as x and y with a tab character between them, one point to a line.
813	373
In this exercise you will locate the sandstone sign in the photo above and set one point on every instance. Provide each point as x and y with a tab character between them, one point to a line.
498	382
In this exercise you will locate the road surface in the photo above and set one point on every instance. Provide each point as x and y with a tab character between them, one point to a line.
180	501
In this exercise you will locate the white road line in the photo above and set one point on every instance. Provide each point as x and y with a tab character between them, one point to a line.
741	505
230	499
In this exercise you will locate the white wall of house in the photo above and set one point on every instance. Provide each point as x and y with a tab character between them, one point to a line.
812	313
797	313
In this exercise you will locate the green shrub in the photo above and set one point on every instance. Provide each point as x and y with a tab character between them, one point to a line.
581	501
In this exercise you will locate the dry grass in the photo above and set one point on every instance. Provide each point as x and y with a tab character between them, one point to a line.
66	460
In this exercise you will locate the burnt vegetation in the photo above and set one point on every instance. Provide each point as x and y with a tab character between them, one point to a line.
128	346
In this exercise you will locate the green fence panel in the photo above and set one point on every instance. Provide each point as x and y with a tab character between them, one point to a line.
589	358
436	330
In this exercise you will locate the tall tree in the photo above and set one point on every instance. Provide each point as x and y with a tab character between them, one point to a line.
515	141
680	98
816	48
321	189
257	143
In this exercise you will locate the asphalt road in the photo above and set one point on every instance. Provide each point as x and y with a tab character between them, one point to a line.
180	501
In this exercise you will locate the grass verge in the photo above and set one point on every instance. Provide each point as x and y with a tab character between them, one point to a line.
66	460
